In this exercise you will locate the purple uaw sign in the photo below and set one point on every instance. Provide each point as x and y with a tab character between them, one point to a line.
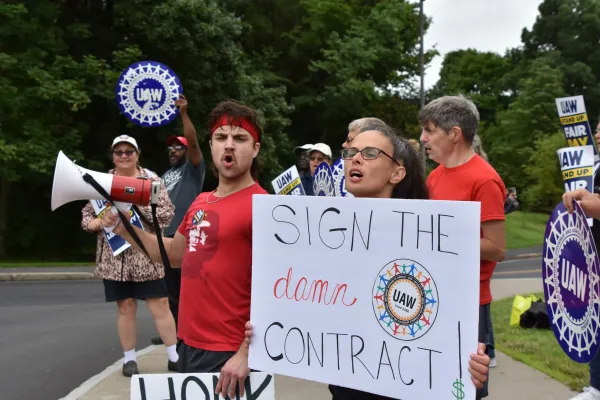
571	284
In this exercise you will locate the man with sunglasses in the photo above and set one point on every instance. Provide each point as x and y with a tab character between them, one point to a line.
184	181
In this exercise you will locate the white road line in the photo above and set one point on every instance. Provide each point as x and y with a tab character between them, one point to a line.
96	379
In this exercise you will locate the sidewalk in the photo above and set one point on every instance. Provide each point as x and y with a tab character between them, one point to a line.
509	380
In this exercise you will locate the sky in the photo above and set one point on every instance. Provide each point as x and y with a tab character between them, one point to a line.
485	25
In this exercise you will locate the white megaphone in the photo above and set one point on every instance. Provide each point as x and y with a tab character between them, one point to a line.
70	185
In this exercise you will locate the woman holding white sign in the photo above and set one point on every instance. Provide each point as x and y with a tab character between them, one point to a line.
381	164
127	274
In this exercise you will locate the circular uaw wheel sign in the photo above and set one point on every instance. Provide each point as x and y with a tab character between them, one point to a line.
146	93
571	288
323	181
405	299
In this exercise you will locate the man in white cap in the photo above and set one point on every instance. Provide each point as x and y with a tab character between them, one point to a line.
318	153
303	165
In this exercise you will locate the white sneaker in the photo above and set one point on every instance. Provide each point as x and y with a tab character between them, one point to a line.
589	393
493	363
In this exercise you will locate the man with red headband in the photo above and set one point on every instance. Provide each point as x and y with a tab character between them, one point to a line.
184	181
213	246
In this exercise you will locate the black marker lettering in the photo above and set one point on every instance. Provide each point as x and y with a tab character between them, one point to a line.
419	231
142	388
337	340
362	347
313	346
440	234
255	395
303	345
355	224
285	222
430	373
198	382
308	225
400	369
335	210
280	356
384	349
402	226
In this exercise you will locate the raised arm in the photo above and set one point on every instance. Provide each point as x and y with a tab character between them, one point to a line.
193	152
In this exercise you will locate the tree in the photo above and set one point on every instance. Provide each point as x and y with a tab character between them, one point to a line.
510	142
543	171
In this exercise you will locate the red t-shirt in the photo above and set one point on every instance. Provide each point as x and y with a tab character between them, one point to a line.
216	271
475	180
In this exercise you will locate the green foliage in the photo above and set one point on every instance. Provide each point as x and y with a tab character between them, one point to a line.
543	170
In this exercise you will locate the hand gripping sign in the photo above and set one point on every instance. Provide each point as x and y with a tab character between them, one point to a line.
571	283
146	93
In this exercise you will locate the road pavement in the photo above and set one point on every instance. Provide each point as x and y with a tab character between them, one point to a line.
56	335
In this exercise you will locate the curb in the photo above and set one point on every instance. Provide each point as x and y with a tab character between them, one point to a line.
47	276
525	256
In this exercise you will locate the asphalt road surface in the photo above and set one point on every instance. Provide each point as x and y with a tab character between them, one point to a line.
56	335
515	269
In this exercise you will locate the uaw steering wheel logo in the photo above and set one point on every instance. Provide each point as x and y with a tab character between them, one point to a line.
146	93
571	284
405	299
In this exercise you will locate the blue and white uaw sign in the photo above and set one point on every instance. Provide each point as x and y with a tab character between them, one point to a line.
117	243
575	124
571	283
146	93
339	179
323	184
577	167
288	183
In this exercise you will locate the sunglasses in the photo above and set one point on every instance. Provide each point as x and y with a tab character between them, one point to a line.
119	153
368	153
176	148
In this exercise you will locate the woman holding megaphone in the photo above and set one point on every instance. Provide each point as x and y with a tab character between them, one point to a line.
130	275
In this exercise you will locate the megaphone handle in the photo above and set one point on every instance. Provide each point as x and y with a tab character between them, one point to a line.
154	192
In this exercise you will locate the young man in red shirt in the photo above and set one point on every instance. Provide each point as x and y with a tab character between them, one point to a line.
213	246
449	126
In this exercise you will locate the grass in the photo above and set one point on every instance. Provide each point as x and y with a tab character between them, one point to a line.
525	229
537	348
47	264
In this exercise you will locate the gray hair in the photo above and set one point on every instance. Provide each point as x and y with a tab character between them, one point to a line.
477	147
366	124
450	111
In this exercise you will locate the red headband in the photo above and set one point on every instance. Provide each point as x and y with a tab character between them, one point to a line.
241	122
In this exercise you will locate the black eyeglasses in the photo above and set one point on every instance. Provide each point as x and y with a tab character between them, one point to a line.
176	148
120	153
368	153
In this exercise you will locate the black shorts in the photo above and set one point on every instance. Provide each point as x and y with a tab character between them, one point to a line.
193	360
117	290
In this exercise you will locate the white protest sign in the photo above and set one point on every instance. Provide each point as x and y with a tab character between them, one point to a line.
577	167
288	183
379	295
258	386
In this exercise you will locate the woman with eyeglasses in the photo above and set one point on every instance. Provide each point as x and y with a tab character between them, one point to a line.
129	275
381	164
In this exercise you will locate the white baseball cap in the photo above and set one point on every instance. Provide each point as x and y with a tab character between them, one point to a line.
323	148
125	139
303	147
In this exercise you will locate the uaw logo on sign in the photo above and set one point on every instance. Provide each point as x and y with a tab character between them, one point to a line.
577	167
571	283
146	93
289	183
339	179
323	181
405	299
575	123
